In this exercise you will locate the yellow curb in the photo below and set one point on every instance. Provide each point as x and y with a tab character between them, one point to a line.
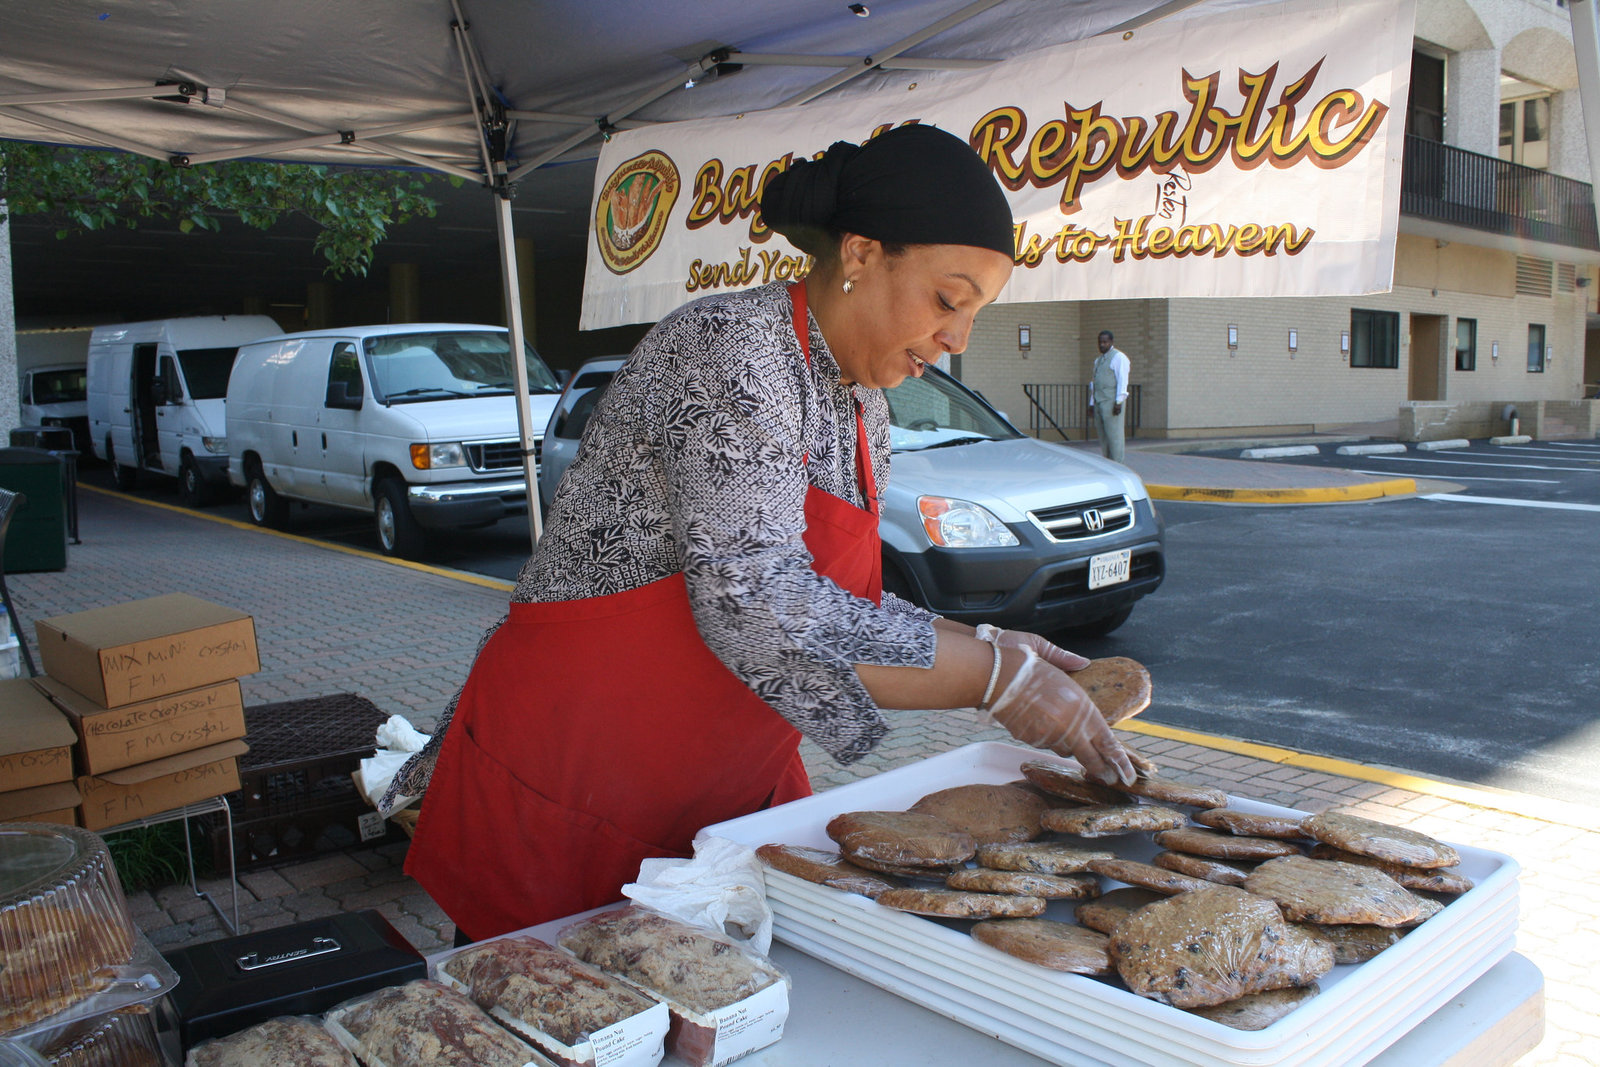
1525	805
442	572
1327	495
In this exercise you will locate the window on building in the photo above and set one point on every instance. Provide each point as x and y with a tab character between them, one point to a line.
1525	131
1466	344
1374	338
1425	106
1535	348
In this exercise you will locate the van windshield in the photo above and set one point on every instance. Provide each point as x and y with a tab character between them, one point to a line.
936	411
206	370
445	365
60	386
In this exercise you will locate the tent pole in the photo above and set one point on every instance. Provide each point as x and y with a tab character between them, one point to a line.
508	272
1586	45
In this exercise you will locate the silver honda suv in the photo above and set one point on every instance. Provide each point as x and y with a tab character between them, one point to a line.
981	522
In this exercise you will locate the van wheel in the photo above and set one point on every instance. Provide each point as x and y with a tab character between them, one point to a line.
192	488
267	508
123	478
398	531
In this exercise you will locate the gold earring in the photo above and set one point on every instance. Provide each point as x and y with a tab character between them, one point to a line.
849	286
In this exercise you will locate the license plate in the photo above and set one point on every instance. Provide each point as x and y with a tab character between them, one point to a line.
1108	568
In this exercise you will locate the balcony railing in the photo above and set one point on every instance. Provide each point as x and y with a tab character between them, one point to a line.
1448	184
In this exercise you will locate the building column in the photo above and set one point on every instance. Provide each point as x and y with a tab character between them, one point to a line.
405	293
527	290
319	306
10	402
1472	101
1569	138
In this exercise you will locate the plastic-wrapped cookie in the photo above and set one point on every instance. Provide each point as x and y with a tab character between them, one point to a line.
1119	686
1025	883
1251	824
1108	820
1056	945
1327	891
954	904
901	838
1257	1011
990	813
1106	911
1040	857
1070	783
1223	872
825	868
1198	841
1367	837
1149	876
1172	791
1429	879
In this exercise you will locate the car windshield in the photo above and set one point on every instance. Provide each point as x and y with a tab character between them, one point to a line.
59	386
206	370
445	365
935	411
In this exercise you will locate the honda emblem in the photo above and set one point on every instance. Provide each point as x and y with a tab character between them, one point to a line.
1093	521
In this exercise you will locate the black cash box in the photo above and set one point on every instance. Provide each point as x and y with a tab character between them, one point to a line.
304	969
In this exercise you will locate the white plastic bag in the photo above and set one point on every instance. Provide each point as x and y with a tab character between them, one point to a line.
721	888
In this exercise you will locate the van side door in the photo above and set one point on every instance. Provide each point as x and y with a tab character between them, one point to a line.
167	400
144	444
341	440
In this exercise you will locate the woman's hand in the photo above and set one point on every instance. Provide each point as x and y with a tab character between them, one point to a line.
1043	707
1052	654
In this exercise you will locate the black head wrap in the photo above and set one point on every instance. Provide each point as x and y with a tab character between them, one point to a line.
909	185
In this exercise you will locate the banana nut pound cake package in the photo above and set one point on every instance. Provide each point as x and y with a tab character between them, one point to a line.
423	1024
576	1014
726	999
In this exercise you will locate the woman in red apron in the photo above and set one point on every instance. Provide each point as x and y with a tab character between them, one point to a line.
710	577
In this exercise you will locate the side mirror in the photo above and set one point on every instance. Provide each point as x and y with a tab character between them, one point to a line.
339	397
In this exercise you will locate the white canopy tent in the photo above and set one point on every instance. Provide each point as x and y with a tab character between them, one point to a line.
486	90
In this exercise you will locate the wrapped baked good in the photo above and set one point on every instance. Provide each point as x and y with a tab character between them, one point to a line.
125	1038
725	999
64	925
287	1041
571	1011
423	1024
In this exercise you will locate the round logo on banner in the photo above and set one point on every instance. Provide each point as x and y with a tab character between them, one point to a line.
632	211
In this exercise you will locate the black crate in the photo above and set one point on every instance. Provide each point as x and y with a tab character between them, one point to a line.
297	797
270	840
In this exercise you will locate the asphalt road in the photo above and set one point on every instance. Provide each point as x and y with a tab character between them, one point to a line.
1452	635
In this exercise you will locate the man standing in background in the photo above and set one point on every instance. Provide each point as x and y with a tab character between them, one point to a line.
1108	390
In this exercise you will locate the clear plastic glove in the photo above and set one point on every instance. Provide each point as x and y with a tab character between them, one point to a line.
1041	706
1054	655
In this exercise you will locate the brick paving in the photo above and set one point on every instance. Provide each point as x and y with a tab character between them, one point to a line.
335	621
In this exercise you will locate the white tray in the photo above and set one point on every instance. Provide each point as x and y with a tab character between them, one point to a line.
1072	1019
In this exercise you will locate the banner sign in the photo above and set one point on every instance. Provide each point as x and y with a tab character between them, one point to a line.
1254	151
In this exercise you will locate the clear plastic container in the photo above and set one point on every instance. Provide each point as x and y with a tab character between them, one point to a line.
64	925
125	1038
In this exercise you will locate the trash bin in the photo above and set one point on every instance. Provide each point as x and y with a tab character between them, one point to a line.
37	540
58	440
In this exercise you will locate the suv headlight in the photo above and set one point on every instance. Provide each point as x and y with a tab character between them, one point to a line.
426	457
217	446
952	523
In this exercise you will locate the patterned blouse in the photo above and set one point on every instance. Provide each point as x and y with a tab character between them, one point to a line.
697	459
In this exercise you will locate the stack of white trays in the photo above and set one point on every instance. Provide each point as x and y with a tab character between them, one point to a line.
1072	1019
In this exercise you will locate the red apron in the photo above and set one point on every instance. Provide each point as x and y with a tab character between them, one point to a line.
592	734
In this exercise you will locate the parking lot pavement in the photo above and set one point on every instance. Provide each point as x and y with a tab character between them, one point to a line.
334	620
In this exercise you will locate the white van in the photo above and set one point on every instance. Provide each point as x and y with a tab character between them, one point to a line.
414	422
57	395
155	397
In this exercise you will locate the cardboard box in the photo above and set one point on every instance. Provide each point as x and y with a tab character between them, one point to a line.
144	649
35	738
147	789
112	738
57	803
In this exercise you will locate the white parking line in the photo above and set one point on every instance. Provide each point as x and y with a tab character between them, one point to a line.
1554	451
1550	504
1479	478
1482	463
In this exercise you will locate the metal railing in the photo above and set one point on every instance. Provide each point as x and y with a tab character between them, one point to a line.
1064	407
1449	184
